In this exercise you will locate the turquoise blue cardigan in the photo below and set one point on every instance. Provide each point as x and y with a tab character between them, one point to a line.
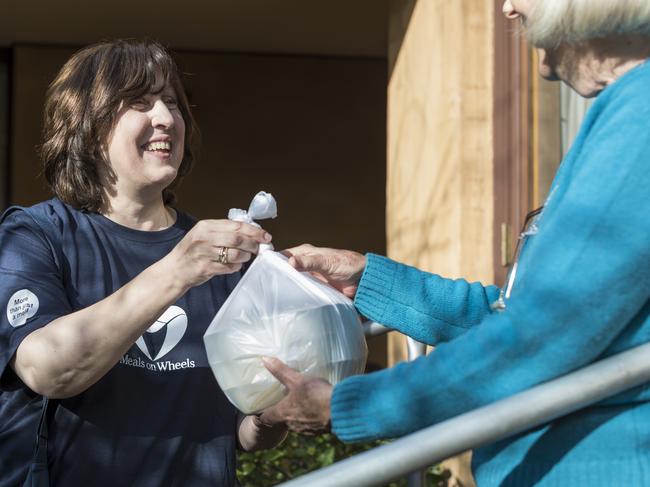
581	294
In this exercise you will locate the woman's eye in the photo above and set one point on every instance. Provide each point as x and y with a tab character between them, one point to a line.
171	102
139	104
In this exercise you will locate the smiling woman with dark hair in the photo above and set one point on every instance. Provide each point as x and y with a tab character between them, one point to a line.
108	291
83	104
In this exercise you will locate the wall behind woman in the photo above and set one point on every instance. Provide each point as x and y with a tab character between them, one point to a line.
310	130
5	61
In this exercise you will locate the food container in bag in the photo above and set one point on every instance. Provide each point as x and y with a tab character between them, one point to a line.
276	311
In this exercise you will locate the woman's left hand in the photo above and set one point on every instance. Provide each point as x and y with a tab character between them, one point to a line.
306	408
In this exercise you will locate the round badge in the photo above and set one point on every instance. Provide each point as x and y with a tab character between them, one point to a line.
22	306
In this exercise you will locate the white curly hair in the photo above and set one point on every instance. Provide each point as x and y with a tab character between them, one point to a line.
555	22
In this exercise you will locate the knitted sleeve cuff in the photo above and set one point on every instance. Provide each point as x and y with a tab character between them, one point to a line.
349	422
375	287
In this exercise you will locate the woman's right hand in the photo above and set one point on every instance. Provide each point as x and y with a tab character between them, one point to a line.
196	258
341	269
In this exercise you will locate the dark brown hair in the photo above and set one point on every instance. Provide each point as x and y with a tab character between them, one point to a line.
80	111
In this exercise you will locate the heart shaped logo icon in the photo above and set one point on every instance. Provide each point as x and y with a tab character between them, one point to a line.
174	319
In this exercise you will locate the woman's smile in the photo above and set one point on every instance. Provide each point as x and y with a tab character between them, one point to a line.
159	148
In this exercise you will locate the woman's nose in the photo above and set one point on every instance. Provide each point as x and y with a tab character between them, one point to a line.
161	116
509	11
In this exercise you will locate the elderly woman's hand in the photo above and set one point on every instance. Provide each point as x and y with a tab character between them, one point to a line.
214	247
306	407
341	269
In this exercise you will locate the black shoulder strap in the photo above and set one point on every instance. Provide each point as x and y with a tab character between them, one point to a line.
38	474
42	434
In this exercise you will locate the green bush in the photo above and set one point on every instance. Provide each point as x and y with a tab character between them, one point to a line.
301	454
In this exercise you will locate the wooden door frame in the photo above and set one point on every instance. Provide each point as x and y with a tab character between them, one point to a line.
511	117
5	125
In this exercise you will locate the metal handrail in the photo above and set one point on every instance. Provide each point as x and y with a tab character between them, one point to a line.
487	424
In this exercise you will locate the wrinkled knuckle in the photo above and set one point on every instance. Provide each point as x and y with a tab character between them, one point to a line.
328	262
236	240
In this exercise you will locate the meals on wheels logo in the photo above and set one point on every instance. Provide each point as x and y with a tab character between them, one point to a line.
160	339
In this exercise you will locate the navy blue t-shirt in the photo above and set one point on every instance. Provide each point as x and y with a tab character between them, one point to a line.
158	416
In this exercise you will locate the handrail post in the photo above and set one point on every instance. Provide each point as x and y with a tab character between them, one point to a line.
415	350
372	328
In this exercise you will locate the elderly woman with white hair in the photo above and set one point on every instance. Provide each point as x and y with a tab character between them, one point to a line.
581	291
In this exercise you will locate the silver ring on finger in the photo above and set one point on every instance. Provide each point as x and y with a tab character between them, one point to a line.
222	257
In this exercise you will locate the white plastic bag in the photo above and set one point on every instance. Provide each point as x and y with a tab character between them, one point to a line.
276	311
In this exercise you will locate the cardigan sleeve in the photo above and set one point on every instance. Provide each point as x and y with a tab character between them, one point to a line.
584	282
424	306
